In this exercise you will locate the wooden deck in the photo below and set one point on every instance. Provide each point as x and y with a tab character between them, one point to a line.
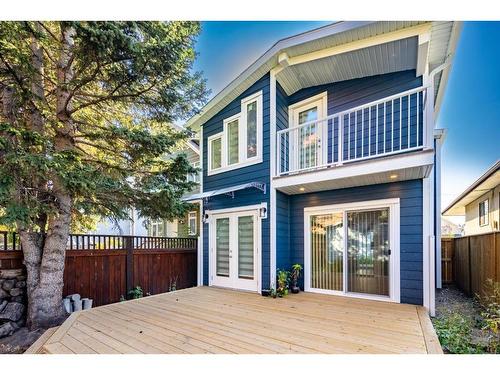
213	320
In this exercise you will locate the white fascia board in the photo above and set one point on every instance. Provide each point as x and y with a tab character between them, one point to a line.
354	169
455	34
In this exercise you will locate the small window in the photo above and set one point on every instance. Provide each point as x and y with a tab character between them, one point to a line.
483	213
194	177
215	150
233	142
192	229
156	228
251	109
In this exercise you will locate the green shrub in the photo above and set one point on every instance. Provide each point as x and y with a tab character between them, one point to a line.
489	304
136	292
283	278
454	332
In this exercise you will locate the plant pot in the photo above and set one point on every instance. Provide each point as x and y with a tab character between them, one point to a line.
86	303
295	289
67	305
77	305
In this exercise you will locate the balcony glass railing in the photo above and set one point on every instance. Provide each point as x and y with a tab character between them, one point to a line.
384	127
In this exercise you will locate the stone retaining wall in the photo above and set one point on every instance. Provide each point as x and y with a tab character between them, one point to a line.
12	301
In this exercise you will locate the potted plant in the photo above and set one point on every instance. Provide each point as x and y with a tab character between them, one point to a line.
282	289
294	276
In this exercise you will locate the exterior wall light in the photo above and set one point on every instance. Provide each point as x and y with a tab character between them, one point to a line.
263	213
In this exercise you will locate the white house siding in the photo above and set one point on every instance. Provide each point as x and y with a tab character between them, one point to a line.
472	226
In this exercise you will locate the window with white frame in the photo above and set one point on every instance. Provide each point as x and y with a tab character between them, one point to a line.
240	142
156	228
192	229
483	213
194	177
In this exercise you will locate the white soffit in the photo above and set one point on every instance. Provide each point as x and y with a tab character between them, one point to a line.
395	56
330	36
485	183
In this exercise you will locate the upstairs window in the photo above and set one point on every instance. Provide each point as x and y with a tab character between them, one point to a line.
215	151
156	228
232	131
240	142
483	213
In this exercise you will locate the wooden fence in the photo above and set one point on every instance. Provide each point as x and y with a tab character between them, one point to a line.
105	267
473	260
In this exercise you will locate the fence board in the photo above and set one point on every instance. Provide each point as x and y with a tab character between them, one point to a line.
98	267
447	256
475	260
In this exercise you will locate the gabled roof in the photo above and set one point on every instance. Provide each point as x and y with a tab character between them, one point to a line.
489	180
443	37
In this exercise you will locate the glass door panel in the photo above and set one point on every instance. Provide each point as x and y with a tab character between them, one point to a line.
308	138
368	251
222	246
246	247
327	251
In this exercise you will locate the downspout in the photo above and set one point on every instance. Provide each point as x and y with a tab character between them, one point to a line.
433	236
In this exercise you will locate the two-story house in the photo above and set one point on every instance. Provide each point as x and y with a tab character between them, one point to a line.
324	152
479	204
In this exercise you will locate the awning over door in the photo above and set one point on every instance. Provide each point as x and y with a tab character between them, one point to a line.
228	191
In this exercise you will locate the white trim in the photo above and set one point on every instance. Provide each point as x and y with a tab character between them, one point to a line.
254	209
394	214
200	238
237	209
258	97
225	144
428	245
309	102
222	154
272	199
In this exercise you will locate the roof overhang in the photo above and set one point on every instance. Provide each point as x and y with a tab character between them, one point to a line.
226	191
489	180
344	50
402	167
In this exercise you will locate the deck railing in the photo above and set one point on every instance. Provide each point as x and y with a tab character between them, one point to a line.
10	241
391	125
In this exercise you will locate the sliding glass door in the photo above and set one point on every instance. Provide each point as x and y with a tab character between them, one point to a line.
327	251
348	251
368	252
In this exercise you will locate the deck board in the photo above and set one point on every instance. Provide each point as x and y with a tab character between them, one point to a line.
213	320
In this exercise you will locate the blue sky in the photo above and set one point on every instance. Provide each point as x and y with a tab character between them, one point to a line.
470	109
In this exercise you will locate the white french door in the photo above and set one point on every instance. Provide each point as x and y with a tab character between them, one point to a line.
353	249
234	243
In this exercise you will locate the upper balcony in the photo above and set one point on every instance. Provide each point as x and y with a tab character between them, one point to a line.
387	127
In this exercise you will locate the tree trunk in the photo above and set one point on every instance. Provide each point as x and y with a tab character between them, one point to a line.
45	255
45	273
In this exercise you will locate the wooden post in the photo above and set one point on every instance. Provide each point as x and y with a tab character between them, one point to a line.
128	242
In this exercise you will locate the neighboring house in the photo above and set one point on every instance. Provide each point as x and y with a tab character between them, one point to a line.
189	225
324	152
479	203
450	229
136	226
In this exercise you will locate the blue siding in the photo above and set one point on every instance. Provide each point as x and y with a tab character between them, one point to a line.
355	92
410	194
257	172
